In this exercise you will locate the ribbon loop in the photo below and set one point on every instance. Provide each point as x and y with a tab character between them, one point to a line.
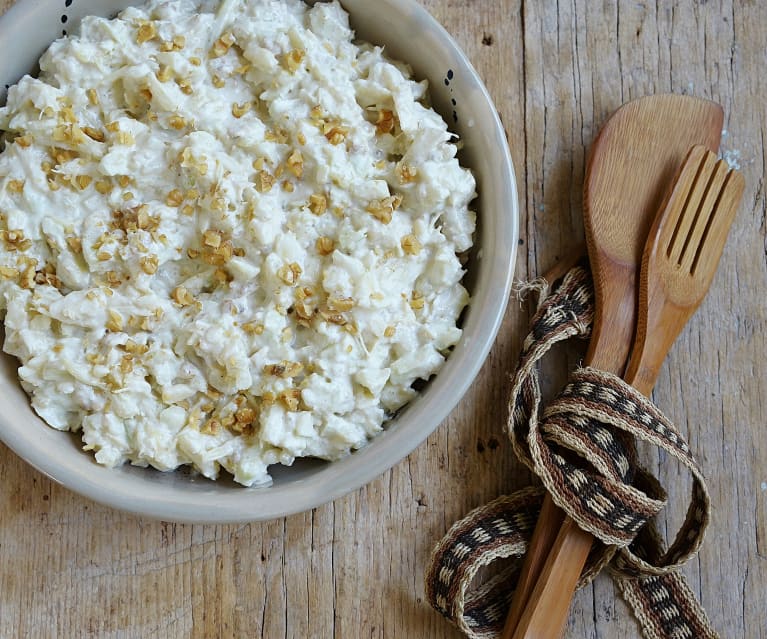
582	447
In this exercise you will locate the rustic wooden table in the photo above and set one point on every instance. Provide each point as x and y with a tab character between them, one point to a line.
72	568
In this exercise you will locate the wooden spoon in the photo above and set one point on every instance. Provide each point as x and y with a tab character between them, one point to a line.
629	169
679	262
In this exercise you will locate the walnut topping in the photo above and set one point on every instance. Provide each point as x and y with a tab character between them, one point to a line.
290	398
185	87
145	32
182	296
93	134
115	321
174	198
8	272
318	203
410	244
389	331
83	181
300	138
218	82
416	301
340	304
285	369
382	209
289	273
164	73
222	45
149	264
134	348
295	163
325	245
93	97
126	138
335	134
293	59
14	240
177	122
385	122
16	186
211	427
75	244
406	173
24	141
212	238
238	110
103	256
253	327
265	181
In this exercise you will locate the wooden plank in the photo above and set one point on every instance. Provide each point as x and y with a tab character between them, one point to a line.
355	567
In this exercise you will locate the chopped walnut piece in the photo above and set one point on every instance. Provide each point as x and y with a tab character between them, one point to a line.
185	87
289	273
24	141
126	138
336	134
174	198
406	173
211	427
382	209
284	369
182	296
416	301
212	238
410	244
13	239
93	97
16	186
293	59
340	304
177	122
149	264
164	73
295	163
385	122
218	82
83	181
115	321
145	32
135	348
389	331
94	134
300	138
325	245
318	203
8	272
75	244
238	110
222	45
253	327
265	181
290	398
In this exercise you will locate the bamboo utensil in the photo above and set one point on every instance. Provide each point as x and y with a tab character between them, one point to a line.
679	261
628	171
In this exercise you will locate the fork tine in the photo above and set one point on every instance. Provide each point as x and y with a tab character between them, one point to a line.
714	235
694	170
705	211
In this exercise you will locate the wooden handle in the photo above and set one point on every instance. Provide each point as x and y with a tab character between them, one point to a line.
546	612
550	520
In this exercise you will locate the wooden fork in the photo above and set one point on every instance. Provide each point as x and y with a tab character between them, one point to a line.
678	264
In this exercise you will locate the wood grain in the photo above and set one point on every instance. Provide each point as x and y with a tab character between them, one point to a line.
72	568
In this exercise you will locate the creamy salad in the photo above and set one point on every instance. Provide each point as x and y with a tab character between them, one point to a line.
229	235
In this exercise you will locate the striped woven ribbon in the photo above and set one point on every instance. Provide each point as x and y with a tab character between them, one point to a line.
583	447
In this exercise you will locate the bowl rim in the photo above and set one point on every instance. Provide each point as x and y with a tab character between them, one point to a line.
287	500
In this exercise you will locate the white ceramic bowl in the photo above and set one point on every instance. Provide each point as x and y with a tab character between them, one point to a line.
410	34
